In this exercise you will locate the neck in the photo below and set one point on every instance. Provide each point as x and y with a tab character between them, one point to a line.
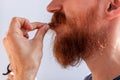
105	65
104	68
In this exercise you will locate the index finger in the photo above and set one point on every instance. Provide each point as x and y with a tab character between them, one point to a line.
37	25
18	23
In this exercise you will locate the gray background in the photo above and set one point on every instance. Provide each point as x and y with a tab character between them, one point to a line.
35	10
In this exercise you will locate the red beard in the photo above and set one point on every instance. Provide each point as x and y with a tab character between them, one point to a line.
70	47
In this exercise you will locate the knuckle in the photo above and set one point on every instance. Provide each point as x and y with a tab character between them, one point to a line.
15	19
19	19
26	20
8	35
4	40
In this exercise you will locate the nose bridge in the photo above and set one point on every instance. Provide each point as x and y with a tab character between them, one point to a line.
54	6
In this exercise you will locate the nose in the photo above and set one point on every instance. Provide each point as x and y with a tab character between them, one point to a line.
54	6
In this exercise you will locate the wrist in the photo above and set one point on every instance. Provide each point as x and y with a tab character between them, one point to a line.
27	74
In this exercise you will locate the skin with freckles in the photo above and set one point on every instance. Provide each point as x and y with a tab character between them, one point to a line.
86	30
89	34
21	50
79	31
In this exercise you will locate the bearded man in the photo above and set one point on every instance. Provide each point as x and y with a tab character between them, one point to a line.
86	30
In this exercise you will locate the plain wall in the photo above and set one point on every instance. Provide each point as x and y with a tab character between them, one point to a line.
35	10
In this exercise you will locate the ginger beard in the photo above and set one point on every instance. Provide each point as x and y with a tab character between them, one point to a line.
71	46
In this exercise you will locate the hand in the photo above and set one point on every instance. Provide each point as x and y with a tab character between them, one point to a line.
24	54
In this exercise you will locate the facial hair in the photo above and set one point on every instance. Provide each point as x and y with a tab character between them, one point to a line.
75	44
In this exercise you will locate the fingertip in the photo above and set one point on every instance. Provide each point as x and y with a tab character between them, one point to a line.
46	27
31	27
41	32
27	25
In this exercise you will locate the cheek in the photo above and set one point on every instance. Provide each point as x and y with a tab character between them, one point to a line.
76	7
62	30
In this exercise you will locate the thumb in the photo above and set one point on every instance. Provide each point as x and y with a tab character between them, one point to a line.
41	33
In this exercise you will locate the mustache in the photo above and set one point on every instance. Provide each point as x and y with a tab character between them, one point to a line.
57	19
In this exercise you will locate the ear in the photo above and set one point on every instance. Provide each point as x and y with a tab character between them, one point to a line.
113	9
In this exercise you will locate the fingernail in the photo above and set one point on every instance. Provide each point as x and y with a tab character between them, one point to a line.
46	27
31	27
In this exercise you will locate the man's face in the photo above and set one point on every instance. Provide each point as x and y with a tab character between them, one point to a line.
76	23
